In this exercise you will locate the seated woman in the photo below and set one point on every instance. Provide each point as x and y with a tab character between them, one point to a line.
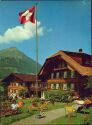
14	105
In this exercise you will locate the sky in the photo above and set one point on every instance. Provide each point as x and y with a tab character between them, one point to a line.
62	25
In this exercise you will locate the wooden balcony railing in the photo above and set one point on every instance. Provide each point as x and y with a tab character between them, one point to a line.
63	80
36	88
58	69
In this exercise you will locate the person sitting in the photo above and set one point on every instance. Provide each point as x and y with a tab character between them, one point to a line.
80	104
14	105
20	104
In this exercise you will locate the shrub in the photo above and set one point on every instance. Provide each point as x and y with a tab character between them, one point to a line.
23	92
57	95
36	99
3	91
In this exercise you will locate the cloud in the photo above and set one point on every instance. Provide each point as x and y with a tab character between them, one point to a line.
86	2
21	33
50	30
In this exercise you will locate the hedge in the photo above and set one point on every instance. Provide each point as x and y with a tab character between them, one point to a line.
57	95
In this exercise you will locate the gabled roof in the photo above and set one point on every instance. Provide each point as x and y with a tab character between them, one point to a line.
25	77
20	76
83	70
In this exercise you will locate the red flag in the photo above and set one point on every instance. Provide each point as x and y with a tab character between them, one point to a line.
28	15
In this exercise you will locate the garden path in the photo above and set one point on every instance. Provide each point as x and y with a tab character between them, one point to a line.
50	115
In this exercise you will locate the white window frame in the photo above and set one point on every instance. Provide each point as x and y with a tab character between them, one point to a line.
65	86
57	86
57	75
72	86
52	75
72	74
52	86
17	84
65	74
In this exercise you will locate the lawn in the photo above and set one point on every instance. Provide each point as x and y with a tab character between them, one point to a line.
24	112
84	117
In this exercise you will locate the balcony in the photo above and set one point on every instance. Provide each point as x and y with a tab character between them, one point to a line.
36	88
59	69
63	80
16	87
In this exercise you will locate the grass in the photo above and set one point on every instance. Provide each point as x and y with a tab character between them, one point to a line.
10	119
82	118
13	118
57	105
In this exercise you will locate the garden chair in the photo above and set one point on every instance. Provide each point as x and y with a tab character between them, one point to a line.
41	110
44	106
69	110
34	107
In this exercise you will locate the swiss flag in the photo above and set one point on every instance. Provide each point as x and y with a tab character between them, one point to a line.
28	15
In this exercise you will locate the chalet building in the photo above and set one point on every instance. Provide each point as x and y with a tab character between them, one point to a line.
16	82
66	71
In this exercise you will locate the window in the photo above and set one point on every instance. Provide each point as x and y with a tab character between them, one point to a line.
91	61
31	84
8	90
72	74
11	84
57	86
16	91
63	64
61	74
61	86
11	90
14	84
52	86
39	85
48	86
64	86
17	84
87	60
21	84
52	75
60	65
57	75
65	74
68	86
72	86
69	74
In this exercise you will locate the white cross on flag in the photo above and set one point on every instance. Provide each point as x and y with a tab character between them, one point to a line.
28	15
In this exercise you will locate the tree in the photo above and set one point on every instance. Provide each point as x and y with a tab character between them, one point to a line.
3	91
89	82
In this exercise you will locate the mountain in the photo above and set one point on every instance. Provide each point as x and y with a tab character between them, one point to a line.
14	61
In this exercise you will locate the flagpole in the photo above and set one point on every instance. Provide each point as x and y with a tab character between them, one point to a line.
36	50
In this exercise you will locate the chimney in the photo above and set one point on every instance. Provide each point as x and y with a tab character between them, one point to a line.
80	50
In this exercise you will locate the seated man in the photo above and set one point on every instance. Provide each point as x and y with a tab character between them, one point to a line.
80	104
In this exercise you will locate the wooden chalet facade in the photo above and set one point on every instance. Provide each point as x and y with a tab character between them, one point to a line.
17	81
66	71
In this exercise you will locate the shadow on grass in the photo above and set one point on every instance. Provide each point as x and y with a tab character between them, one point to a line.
83	112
